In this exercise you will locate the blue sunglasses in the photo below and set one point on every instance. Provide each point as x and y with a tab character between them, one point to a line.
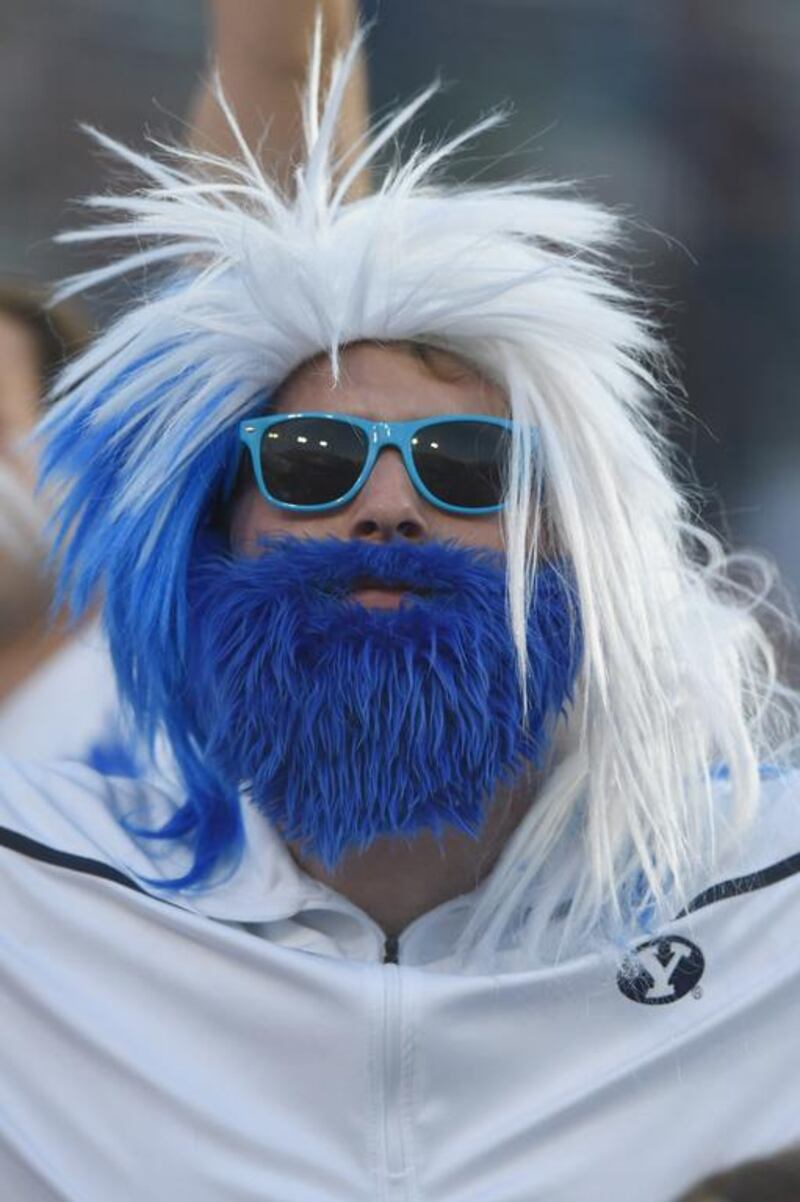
315	462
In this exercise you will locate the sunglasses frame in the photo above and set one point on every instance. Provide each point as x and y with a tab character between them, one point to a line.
380	434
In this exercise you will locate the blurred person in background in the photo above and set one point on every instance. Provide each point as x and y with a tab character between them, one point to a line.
33	346
463	1024
57	690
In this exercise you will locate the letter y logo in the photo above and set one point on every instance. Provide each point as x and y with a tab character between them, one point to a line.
661	970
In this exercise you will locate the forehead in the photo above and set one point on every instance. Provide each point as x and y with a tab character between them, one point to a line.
392	382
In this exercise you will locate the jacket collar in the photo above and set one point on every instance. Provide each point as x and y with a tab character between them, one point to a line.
270	895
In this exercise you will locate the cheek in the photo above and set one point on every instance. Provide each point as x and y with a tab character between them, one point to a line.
20	394
484	531
253	517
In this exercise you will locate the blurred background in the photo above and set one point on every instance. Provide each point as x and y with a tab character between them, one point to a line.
682	114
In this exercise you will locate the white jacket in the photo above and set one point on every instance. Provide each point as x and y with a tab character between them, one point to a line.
250	1044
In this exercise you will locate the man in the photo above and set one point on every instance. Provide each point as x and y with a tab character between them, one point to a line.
485	864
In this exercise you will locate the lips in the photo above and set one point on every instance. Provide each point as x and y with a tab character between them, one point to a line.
387	586
382	594
393	586
376	593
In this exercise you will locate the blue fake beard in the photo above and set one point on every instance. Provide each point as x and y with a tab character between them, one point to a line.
349	723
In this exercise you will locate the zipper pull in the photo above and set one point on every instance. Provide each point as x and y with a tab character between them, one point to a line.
390	949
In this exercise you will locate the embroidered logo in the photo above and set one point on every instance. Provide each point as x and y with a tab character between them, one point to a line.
661	970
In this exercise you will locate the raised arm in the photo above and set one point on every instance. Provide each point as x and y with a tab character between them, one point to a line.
261	48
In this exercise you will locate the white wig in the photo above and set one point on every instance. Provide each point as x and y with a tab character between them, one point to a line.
678	682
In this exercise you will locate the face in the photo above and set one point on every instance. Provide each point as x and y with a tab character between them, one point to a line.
20	392
311	644
380	383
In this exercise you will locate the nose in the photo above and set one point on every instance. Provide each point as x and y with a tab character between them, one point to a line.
388	505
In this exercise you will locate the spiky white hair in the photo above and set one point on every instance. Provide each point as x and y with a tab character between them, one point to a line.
678	678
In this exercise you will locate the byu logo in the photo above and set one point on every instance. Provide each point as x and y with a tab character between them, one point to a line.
661	970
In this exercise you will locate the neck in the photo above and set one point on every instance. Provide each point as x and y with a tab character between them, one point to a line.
396	880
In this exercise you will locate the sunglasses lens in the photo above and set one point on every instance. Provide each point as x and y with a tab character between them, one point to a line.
311	460
463	463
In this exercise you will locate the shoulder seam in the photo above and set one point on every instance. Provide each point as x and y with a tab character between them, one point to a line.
735	887
739	885
34	850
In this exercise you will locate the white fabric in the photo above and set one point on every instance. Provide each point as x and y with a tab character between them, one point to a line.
66	705
250	1043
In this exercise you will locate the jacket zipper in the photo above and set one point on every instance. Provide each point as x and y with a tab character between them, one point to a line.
394	1152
